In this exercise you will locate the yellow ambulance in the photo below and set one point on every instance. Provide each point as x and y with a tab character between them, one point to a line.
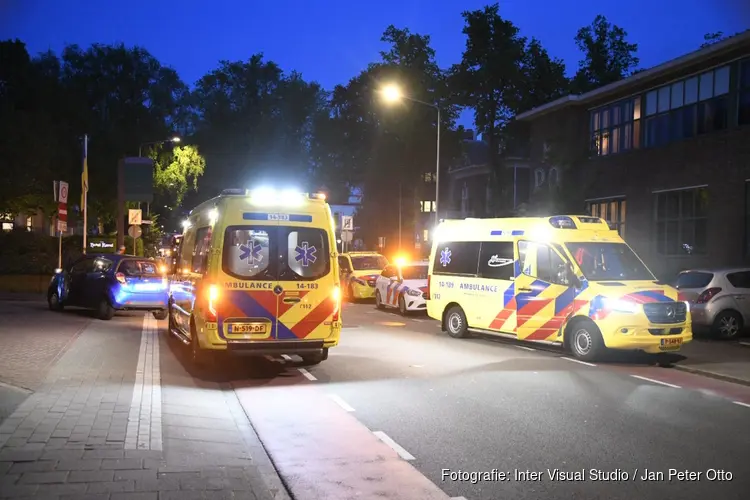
257	274
566	280
359	272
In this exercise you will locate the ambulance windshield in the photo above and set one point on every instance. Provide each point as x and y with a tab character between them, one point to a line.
608	262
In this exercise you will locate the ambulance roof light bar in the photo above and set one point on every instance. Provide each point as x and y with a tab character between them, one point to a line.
562	222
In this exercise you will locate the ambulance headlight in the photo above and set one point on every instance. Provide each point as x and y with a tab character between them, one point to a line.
622	306
414	293
290	198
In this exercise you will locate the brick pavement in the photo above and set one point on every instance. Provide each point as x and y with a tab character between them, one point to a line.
32	338
70	439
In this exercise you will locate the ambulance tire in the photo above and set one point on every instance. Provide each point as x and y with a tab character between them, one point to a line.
106	311
585	341
455	323
314	359
379	300
200	357
161	314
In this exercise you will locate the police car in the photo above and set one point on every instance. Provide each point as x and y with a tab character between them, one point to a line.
402	285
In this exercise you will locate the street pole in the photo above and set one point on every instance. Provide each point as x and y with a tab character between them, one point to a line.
437	171
515	175
85	191
399	216
59	249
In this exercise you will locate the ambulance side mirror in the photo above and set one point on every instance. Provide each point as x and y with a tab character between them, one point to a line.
572	278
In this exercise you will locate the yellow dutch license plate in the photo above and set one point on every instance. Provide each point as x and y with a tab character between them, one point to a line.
670	344
251	328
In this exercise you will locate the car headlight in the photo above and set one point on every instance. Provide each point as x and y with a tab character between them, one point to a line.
619	305
414	293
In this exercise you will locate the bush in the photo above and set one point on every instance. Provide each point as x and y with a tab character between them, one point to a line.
22	252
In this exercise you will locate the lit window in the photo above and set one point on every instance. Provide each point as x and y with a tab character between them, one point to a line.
426	235
29	223
7	226
427	206
612	211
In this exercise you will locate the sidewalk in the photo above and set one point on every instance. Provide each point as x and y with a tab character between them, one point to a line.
728	361
106	424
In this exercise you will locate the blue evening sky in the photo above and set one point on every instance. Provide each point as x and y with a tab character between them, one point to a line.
330	41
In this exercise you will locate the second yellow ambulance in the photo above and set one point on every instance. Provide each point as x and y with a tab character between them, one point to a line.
564	279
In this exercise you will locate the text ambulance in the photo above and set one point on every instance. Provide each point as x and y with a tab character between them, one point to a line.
257	274
562	279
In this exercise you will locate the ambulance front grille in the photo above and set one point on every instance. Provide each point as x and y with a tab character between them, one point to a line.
663	313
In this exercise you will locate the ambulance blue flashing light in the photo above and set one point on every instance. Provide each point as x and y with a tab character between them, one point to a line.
500	232
562	222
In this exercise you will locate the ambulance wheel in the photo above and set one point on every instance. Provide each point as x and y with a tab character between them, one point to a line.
54	302
379	300
314	359
455	323
585	341
402	305
200	357
106	311
161	314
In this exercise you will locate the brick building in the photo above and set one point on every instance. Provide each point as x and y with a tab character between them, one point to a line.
663	154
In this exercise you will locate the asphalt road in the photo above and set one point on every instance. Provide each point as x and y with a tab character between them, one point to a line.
479	405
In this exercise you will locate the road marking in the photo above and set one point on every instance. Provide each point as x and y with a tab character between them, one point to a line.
307	374
391	323
394	445
742	404
416	366
341	402
525	349
745	343
286	357
656	381
144	422
418	320
458	498
579	361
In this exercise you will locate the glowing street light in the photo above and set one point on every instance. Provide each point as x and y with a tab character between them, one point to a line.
391	93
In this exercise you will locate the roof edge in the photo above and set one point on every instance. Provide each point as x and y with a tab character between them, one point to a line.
645	75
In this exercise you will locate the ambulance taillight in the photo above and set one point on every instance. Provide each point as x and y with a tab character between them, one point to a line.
336	296
213	299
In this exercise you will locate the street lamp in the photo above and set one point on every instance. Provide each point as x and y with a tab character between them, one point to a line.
392	94
173	139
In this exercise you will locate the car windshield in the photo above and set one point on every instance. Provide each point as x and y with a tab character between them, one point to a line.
414	272
609	261
369	262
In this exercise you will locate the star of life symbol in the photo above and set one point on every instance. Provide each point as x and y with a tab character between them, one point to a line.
251	252
305	254
445	257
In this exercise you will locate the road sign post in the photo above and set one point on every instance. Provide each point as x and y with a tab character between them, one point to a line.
347	223
135	232
61	196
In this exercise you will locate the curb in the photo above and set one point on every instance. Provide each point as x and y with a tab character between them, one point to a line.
718	376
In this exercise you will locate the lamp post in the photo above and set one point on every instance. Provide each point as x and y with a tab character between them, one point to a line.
392	94
140	148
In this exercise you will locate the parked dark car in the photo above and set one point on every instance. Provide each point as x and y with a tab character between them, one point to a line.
109	283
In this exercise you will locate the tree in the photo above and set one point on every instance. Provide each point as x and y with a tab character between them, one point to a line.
716	37
487	78
542	78
176	172
254	123
121	96
608	56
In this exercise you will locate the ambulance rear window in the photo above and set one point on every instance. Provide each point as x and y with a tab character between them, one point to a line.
307	254
247	253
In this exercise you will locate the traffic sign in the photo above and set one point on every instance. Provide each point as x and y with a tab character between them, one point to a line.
63	196
62	226
347	223
347	236
135	231
134	216
62	212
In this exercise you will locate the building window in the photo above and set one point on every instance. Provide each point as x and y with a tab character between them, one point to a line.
696	105
553	178
539	177
681	221
426	235
29	224
616	127
428	177
426	206
612	210
744	93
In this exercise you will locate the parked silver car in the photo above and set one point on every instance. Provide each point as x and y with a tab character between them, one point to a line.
719	299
